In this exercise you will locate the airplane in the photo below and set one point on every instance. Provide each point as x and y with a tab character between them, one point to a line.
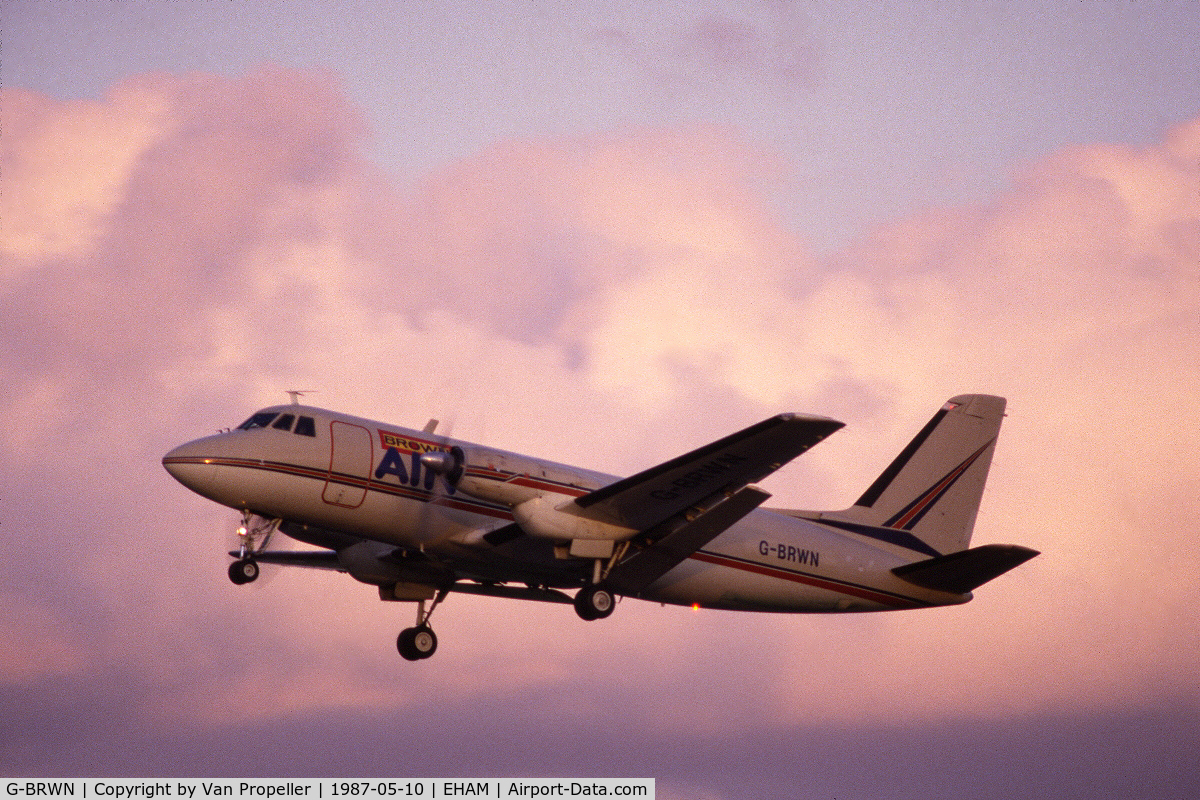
420	515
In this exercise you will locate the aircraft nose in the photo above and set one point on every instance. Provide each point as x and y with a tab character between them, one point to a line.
189	463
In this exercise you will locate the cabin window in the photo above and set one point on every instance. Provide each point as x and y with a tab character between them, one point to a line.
284	423
306	427
260	420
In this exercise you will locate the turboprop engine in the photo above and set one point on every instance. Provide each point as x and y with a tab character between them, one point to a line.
546	515
451	464
551	517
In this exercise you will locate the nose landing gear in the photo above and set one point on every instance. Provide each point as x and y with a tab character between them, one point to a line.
253	535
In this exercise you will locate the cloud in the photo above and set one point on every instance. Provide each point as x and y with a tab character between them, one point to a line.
78	155
609	300
777	46
197	174
768	45
1074	294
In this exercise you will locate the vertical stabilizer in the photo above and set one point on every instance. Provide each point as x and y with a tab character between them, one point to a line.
933	488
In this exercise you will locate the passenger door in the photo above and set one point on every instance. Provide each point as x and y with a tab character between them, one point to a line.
350	460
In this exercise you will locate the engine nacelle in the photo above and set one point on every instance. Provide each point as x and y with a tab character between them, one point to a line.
451	465
506	493
542	517
375	563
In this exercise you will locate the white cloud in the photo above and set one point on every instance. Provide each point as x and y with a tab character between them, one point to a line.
66	167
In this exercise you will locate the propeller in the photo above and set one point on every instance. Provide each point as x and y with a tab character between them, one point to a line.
447	463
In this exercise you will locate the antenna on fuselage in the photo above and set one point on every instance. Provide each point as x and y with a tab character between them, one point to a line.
296	394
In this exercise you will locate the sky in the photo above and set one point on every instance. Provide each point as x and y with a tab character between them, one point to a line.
604	235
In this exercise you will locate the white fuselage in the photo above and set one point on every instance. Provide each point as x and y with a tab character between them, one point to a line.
365	479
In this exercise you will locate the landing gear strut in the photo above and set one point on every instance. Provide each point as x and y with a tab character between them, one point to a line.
595	600
253	535
420	642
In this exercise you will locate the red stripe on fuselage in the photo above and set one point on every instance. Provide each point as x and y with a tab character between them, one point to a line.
396	489
547	486
525	481
895	601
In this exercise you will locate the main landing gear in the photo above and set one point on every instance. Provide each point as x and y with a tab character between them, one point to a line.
420	642
416	643
594	601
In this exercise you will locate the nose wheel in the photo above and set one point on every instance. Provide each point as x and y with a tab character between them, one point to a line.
243	571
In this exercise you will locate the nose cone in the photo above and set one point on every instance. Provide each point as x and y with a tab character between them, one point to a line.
191	464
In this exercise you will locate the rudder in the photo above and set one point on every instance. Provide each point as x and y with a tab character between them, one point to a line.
933	488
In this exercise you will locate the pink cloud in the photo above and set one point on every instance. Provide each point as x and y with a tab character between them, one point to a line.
159	196
763	45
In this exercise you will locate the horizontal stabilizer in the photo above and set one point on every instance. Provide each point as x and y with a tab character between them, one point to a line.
961	572
646	566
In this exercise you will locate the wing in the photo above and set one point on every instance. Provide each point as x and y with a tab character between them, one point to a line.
388	571
651	497
678	539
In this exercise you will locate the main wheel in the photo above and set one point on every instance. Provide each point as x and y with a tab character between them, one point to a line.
415	644
243	571
594	602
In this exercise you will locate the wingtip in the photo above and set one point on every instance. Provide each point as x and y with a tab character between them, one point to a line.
791	415
830	424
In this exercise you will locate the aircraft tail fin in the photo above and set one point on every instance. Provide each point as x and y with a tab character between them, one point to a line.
929	495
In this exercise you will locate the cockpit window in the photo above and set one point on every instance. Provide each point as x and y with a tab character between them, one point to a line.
260	420
305	426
